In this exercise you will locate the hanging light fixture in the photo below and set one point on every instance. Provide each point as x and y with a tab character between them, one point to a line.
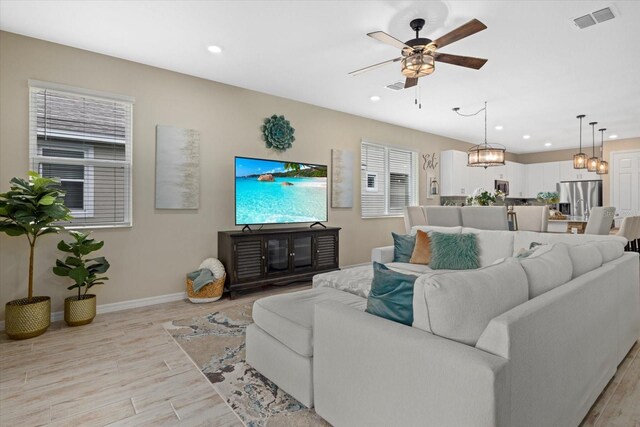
594	161
603	167
484	155
580	159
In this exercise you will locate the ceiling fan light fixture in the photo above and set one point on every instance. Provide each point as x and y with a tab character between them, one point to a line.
418	65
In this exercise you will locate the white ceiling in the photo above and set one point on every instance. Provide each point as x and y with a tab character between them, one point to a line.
542	70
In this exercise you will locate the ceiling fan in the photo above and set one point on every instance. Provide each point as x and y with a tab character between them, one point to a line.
418	56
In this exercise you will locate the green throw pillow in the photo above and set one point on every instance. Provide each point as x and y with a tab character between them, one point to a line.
403	247
391	295
454	251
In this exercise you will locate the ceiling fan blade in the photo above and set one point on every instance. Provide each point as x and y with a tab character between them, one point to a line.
371	67
463	61
410	82
471	27
386	38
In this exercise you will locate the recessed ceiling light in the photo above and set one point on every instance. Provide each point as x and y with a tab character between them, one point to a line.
499	127
526	136
613	136
375	98
547	144
214	49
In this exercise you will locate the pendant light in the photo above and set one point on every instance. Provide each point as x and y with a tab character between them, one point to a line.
603	167
594	161
580	159
484	155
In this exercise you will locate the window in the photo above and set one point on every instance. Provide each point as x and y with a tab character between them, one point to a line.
389	180
83	138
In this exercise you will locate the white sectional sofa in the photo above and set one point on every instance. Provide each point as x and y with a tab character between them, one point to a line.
527	342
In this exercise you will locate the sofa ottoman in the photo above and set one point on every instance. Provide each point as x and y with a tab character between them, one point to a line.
280	341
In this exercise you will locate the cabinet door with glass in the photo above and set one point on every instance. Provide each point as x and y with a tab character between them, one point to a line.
278	252
302	252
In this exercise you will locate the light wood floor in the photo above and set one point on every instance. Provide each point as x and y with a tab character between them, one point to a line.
125	369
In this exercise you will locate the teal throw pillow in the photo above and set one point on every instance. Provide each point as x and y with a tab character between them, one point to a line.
391	295
454	251
403	247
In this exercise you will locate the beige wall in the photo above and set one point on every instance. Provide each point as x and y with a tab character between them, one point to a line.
559	155
152	257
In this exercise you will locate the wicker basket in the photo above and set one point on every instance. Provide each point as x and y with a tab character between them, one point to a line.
209	293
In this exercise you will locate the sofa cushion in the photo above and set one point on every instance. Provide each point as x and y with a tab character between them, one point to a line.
547	268
460	304
454	251
289	317
584	258
391	295
492	244
522	240
407	268
403	247
609	249
422	250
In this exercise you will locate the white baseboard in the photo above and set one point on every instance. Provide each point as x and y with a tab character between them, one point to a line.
123	305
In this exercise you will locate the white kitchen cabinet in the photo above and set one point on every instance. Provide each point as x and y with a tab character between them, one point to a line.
516	177
551	176
454	173
525	180
535	179
568	173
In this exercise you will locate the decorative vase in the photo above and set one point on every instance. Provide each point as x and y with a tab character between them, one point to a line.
78	312
27	319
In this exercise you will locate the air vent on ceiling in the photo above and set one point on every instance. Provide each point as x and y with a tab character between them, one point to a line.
594	18
584	21
396	86
603	14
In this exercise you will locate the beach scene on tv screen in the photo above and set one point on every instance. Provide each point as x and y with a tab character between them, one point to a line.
271	192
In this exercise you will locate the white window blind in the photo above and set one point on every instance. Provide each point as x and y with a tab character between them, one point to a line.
84	139
389	180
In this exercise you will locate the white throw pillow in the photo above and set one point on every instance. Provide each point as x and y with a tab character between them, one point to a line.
459	305
584	258
548	268
492	244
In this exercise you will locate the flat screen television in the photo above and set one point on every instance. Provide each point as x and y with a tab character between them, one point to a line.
278	192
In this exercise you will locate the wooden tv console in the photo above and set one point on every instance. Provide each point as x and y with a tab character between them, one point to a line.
254	259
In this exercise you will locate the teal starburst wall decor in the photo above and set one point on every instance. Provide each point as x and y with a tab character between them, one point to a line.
278	133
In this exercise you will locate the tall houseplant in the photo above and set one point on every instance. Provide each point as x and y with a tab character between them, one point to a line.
84	271
32	208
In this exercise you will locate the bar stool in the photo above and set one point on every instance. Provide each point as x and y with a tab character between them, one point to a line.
627	230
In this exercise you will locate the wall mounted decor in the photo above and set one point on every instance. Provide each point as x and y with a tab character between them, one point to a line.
177	168
429	161
341	179
278	133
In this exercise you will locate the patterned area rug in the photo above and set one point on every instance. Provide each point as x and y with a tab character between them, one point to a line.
216	343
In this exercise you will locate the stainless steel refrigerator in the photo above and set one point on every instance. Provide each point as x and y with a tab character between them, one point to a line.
578	197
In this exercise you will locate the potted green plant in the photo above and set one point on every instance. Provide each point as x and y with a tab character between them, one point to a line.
81	309
32	208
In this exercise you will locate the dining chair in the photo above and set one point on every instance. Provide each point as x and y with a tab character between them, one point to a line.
600	220
532	218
